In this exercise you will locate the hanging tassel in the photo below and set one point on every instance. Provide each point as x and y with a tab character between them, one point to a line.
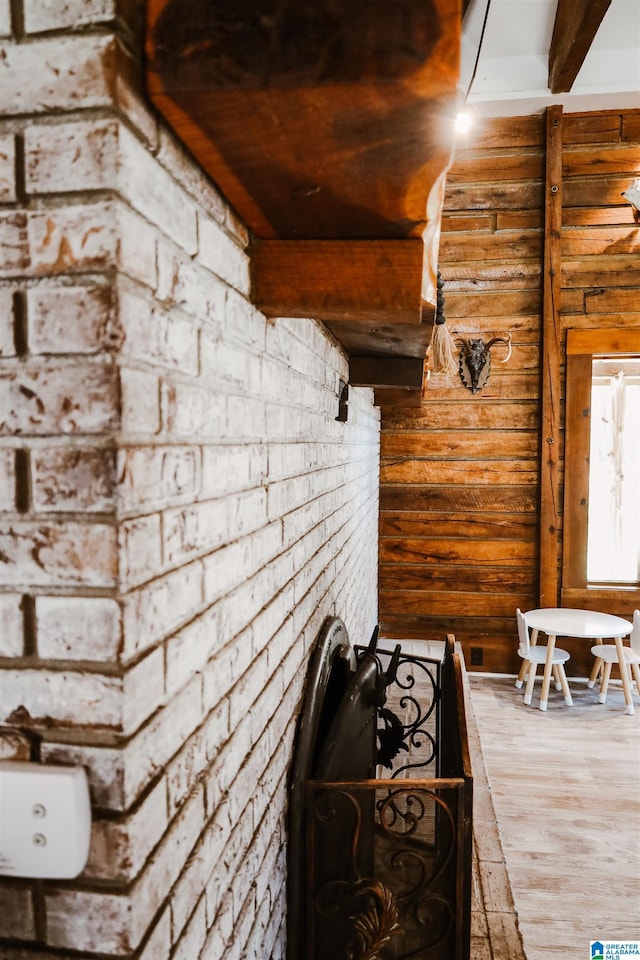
443	354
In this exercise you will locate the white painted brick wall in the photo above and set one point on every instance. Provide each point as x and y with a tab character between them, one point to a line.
7	479
11	625
17	918
7	168
7	343
57	73
61	397
70	319
68	554
182	515
78	628
79	238
5	18
66	157
72	480
42	15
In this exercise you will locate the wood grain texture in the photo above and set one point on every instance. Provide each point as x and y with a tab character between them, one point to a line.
356	142
577	461
467	525
467	553
492	499
460	416
550	494
490	472
562	762
320	122
461	444
339	280
574	29
410	576
460	469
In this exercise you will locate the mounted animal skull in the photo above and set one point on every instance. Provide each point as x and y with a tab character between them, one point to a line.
475	361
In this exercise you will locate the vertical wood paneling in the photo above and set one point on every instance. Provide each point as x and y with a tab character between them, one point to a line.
460	474
550	453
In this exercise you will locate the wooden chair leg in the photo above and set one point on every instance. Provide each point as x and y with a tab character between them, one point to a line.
546	677
624	673
604	683
528	693
557	678
593	676
565	686
635	669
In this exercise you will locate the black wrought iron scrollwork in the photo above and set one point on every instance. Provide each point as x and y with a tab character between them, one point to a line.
391	737
412	736
404	816
383	851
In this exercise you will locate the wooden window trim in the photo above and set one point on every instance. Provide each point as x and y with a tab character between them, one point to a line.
582	347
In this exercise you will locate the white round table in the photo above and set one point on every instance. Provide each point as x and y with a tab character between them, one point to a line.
585	624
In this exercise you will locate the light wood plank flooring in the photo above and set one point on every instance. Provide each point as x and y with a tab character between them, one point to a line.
565	787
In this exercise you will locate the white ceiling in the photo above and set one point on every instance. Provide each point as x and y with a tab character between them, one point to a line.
511	70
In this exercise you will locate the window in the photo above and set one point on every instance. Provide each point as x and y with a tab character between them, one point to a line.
601	546
613	529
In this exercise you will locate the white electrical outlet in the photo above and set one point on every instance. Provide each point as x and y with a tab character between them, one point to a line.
45	820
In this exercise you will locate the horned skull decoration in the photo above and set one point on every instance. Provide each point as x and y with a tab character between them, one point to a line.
475	361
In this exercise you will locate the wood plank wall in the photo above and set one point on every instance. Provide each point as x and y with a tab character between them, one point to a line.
459	494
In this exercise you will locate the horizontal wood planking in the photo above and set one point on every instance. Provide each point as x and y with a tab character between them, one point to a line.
497	166
505	132
588	274
497	636
472	304
600	279
407	601
414	470
616	160
495	246
504	196
501	386
460	622
590	216
453	579
596	190
486	499
631	126
610	240
467	525
460	473
592	128
467	552
491	276
457	416
458	444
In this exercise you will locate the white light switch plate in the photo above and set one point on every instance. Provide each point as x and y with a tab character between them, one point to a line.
45	820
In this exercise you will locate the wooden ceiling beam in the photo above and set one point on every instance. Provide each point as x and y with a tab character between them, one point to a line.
576	24
386	372
375	281
328	127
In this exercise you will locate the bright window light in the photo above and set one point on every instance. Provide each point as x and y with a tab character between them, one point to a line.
613	553
463	121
